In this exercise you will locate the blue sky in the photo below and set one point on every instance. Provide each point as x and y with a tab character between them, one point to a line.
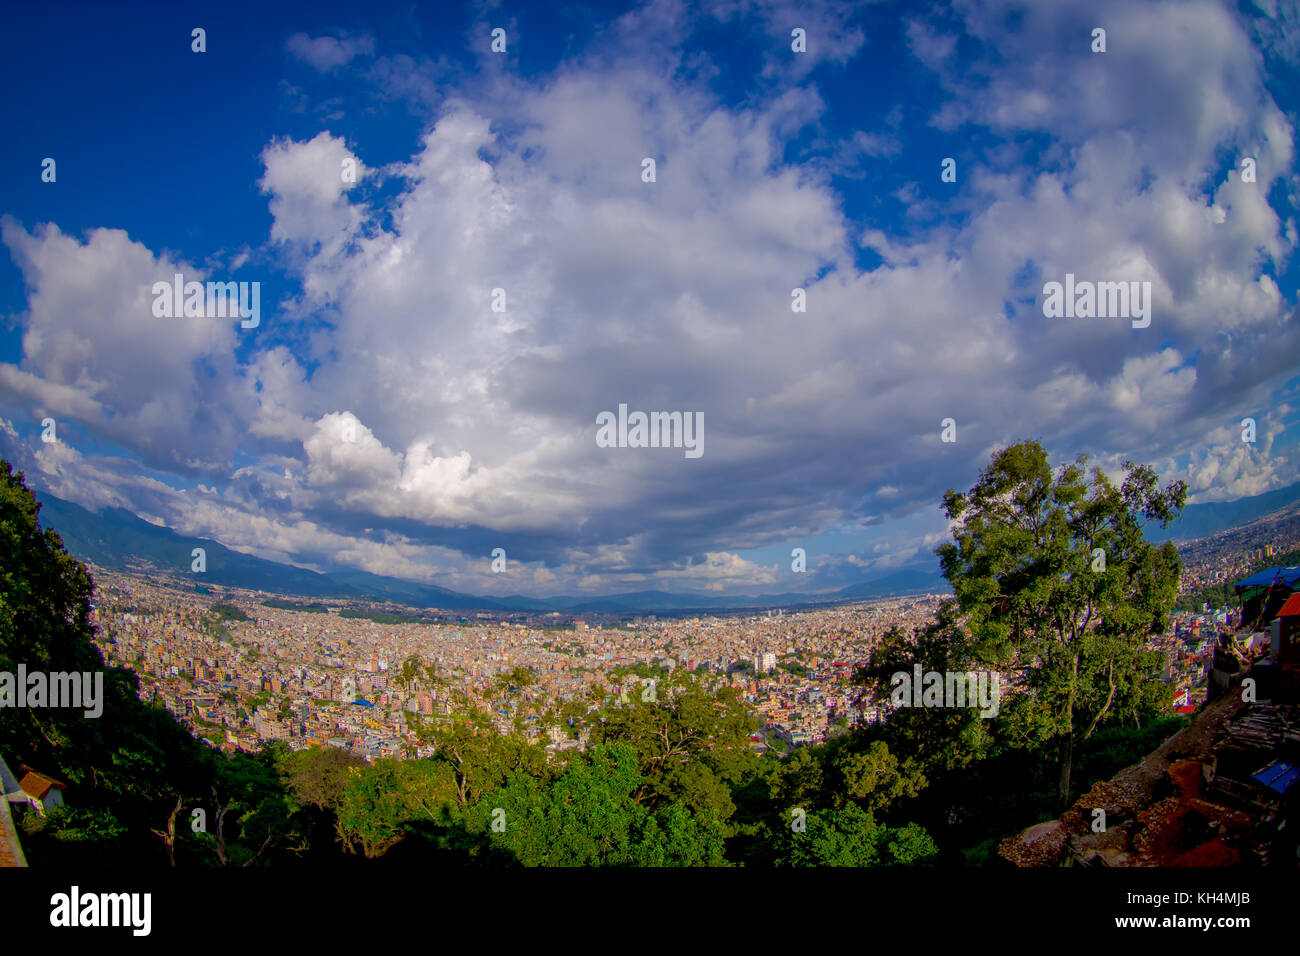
382	416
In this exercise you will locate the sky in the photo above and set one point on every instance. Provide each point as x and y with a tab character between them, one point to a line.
380	171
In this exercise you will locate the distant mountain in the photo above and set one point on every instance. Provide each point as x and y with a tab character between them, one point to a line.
414	593
903	581
1201	521
117	539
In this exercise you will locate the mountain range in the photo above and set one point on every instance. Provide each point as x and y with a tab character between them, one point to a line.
1202	521
119	540
116	539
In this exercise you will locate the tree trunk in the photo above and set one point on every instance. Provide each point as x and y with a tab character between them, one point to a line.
1063	784
169	838
1067	744
222	857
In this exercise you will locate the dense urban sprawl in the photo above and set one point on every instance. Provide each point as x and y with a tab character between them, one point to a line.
316	678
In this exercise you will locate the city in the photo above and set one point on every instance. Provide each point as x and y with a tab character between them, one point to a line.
284	674
239	671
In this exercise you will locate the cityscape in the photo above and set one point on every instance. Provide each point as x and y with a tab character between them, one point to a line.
241	668
793	668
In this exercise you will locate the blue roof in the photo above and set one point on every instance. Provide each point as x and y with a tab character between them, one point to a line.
1289	577
1279	776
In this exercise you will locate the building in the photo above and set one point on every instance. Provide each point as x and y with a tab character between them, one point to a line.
32	788
43	793
1285	632
1263	594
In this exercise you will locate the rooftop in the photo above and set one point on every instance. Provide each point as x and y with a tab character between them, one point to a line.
1217	793
37	784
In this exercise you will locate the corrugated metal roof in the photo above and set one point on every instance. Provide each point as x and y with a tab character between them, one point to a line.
1279	776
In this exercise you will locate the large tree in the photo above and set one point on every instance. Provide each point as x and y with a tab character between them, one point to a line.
589	816
850	836
692	741
1057	584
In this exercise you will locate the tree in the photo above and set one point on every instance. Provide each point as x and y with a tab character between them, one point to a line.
168	836
44	616
253	810
934	740
480	759
589	816
411	671
686	724
380	802
135	760
850	836
1056	582
318	778
873	775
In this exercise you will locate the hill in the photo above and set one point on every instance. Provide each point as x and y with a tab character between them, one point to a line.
1203	520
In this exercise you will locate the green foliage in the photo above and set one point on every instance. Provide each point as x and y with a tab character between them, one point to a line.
382	617
850	836
1034	598
378	802
284	604
69	836
1114	748
589	817
983	854
229	612
687	741
73	824
125	770
648	671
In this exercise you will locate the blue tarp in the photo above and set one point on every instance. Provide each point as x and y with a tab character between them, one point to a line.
1279	776
1288	577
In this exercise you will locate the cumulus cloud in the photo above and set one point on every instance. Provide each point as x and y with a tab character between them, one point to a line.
89	331
327	53
412	425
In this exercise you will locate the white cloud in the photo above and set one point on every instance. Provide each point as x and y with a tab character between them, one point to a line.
328	53
676	295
